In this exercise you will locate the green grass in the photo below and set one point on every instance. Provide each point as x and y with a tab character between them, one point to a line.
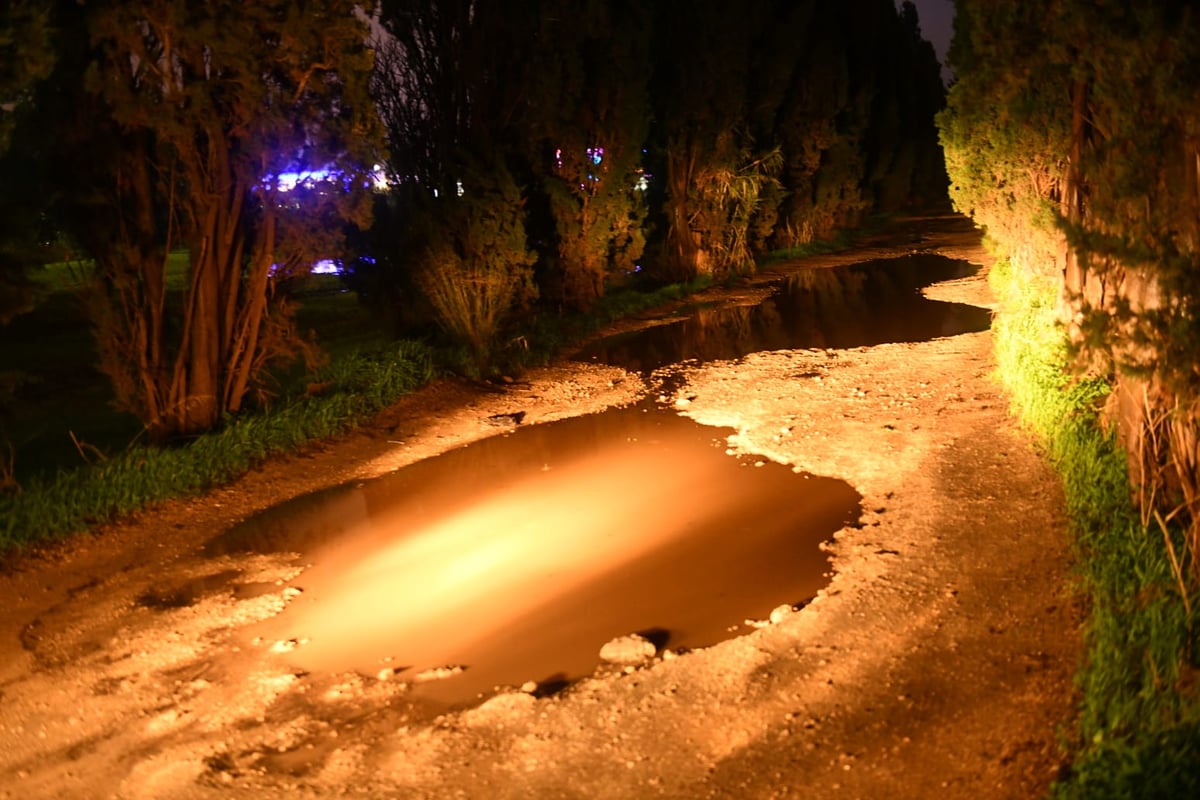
50	390
341	321
543	337
51	396
839	242
356	387
71	276
1138	731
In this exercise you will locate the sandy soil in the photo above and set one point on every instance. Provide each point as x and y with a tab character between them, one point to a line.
937	663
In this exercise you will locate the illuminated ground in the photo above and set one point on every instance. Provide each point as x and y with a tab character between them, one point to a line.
936	664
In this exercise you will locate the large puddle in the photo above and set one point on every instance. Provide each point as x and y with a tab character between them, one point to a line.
874	302
519	556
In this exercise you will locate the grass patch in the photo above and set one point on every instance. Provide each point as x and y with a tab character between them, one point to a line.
355	387
840	241
51	391
543	337
73	276
1139	726
337	317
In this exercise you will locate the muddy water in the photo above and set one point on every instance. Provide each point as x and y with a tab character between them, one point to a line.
864	304
519	556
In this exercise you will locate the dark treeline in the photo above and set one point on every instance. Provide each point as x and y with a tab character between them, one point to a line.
582	141
537	155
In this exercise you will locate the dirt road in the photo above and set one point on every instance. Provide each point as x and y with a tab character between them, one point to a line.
937	663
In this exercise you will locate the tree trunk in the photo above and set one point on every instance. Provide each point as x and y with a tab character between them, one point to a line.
197	396
1074	271
683	251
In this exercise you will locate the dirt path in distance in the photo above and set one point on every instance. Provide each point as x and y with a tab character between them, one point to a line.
937	663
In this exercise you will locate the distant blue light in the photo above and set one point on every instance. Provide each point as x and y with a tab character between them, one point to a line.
286	181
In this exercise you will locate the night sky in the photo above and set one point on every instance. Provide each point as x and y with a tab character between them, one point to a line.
937	24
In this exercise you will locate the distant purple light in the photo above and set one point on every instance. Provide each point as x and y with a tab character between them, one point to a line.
326	266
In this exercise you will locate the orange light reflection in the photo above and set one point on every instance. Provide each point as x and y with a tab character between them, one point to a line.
520	556
465	576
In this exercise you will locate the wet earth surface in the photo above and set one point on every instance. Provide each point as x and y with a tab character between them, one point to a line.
230	645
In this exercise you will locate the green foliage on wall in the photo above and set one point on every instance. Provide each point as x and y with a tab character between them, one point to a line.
1072	135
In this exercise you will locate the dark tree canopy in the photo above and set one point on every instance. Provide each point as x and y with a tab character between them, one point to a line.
26	58
685	138
165	125
538	152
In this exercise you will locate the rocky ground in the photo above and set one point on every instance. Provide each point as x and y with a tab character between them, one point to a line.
937	662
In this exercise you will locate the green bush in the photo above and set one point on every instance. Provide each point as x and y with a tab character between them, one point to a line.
475	267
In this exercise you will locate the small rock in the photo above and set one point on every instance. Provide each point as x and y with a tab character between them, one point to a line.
439	673
632	649
780	612
502	709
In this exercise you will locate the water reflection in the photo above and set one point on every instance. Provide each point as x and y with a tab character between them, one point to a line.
865	304
520	555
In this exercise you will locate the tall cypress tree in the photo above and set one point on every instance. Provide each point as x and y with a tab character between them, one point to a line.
587	120
452	95
711	170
